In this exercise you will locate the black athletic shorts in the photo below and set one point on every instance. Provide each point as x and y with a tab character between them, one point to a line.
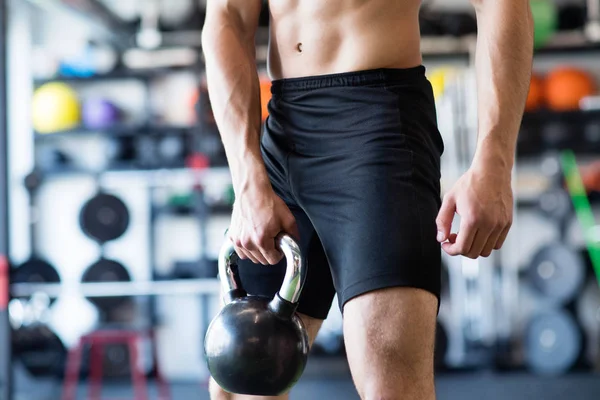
356	157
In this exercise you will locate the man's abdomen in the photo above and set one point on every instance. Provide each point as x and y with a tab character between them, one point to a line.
311	38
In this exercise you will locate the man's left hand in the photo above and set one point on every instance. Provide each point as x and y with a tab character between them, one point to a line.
484	200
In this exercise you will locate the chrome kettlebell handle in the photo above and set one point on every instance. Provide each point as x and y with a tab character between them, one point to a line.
293	281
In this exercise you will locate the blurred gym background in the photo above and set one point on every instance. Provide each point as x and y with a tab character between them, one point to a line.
113	174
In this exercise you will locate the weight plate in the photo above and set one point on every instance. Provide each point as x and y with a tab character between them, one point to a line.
146	151
555	204
40	350
553	343
35	270
557	134
557	273
116	360
171	149
105	270
104	217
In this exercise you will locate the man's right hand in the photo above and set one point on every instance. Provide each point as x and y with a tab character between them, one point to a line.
259	215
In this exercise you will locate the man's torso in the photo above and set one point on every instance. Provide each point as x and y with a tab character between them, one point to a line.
315	37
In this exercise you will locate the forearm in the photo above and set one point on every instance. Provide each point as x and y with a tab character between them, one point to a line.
503	66
233	88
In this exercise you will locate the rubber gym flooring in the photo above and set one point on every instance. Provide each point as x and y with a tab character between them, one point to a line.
455	386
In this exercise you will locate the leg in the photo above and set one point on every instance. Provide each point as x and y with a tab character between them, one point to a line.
369	181
391	354
216	393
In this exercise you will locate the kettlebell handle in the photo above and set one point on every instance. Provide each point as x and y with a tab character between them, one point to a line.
292	284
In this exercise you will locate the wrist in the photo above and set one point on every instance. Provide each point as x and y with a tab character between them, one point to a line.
248	174
494	155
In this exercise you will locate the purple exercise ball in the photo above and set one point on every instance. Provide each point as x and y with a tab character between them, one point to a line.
99	113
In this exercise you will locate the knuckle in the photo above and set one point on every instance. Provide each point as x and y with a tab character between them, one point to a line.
261	233
470	220
237	242
240	253
463	250
246	243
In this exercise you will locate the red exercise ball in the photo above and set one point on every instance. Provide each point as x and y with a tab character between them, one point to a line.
566	86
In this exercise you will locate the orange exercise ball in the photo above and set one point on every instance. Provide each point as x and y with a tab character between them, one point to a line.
536	93
566	86
265	96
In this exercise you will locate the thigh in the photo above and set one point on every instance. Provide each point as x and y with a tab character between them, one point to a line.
375	213
391	353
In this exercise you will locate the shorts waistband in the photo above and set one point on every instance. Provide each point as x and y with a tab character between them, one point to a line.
379	76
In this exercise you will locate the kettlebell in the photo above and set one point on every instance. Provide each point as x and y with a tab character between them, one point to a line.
256	345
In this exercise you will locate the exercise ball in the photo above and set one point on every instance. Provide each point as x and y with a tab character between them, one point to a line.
55	107
545	19
99	113
565	87
439	79
536	93
265	96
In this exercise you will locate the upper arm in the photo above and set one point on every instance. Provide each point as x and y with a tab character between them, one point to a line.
241	15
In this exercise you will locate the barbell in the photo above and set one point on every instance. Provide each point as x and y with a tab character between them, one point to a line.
120	289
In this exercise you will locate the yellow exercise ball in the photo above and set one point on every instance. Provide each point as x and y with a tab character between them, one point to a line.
55	107
439	78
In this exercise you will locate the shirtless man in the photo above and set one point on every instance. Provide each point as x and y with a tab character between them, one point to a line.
349	164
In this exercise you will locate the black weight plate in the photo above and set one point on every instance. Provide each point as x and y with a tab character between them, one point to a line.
557	273
115	362
105	270
104	217
553	343
146	152
557	134
40	350
555	204
35	270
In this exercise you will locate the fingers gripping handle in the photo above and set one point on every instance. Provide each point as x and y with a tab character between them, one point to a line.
293	281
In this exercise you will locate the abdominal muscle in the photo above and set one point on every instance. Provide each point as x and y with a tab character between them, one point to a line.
317	37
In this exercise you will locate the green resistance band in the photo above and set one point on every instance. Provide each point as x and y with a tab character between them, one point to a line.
583	209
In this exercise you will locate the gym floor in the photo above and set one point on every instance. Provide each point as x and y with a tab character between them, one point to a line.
467	386
337	384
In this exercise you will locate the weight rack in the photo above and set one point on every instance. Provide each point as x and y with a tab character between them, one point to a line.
5	339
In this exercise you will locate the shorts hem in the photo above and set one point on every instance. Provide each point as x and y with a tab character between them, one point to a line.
316	314
384	281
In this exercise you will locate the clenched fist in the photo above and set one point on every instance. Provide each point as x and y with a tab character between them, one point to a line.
259	215
484	200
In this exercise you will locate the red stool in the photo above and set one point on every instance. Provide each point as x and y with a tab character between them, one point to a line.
96	341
